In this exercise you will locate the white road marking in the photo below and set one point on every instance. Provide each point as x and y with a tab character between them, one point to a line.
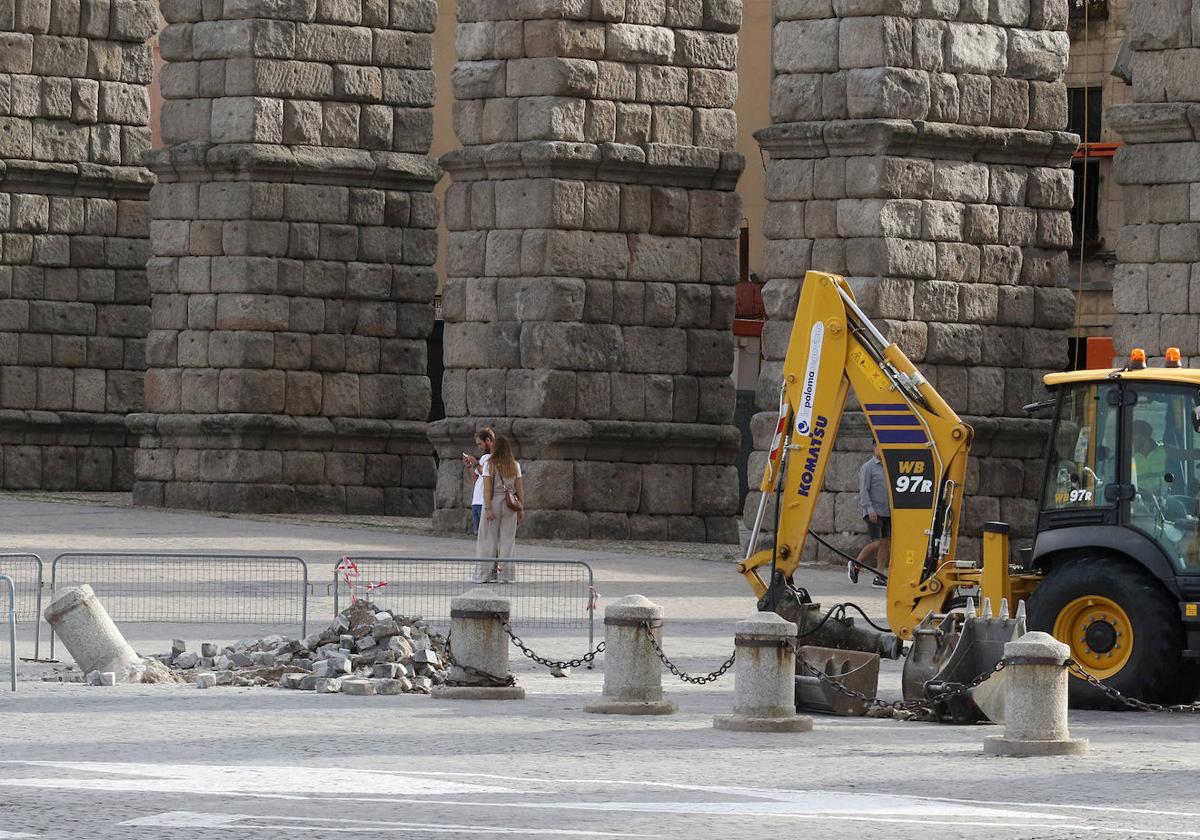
436	788
241	779
784	793
5	835
196	819
1073	807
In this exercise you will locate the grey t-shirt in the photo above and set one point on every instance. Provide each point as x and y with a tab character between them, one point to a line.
873	489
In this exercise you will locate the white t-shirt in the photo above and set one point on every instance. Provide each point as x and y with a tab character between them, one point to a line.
487	471
477	493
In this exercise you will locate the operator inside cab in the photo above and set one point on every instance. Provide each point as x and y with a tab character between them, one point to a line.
1149	460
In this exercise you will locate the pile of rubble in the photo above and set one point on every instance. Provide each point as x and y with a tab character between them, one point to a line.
365	651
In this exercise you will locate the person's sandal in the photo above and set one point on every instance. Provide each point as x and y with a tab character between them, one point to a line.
879	581
852	571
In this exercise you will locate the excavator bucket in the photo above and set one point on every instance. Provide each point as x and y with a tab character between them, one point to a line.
955	648
856	670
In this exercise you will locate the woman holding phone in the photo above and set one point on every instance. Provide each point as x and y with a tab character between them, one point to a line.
503	511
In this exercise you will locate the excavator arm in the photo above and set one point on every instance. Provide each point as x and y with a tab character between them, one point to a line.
834	348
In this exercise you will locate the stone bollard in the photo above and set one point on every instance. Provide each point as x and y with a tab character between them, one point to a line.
765	678
80	620
632	671
1035	700
478	641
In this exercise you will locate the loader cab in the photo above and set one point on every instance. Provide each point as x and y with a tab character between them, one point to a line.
1118	538
1124	453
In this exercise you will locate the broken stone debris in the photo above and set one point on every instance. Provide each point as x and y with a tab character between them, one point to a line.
365	651
206	680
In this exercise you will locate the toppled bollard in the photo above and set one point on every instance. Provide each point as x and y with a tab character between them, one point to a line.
477	649
95	643
1035	700
764	681
632	671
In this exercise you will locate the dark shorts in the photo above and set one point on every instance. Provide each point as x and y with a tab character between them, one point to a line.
476	515
880	530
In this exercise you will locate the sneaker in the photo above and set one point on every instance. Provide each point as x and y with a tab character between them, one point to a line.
879	581
852	571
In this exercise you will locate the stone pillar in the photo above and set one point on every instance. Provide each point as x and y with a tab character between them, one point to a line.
917	148
632	671
293	238
1035	700
1159	169
74	304
592	256
479	649
765	678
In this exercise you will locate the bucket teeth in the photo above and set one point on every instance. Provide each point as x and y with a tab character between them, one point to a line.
1004	609
970	608
1021	609
987	607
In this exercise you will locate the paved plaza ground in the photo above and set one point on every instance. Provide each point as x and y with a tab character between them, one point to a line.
158	761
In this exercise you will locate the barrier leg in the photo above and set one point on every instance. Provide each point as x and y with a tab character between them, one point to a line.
479	648
632	671
764	678
1035	700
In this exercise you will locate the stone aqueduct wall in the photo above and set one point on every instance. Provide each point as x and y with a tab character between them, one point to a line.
74	303
589	297
916	147
293	240
1156	288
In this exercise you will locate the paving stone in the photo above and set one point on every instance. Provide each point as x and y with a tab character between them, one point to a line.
361	688
391	686
327	685
205	680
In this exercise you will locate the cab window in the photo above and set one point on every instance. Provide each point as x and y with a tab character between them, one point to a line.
1163	457
1083	451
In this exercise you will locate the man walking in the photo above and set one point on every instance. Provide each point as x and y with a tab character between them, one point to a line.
877	513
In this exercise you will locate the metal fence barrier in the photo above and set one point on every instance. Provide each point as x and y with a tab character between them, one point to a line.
189	588
26	573
9	632
542	593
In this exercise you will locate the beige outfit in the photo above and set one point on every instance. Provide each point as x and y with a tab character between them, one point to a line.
496	536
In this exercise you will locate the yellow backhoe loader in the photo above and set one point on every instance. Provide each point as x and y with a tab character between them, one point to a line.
1114	570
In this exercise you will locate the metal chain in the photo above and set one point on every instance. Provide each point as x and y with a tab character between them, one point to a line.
1132	702
489	679
926	705
929	704
688	678
550	663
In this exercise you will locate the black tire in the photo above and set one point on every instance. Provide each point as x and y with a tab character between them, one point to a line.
1154	668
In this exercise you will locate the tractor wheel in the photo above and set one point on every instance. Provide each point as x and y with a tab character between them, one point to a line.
1120	625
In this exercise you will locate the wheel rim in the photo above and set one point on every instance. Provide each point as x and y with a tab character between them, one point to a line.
1098	632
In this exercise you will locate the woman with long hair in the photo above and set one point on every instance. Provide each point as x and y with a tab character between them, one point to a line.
503	510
